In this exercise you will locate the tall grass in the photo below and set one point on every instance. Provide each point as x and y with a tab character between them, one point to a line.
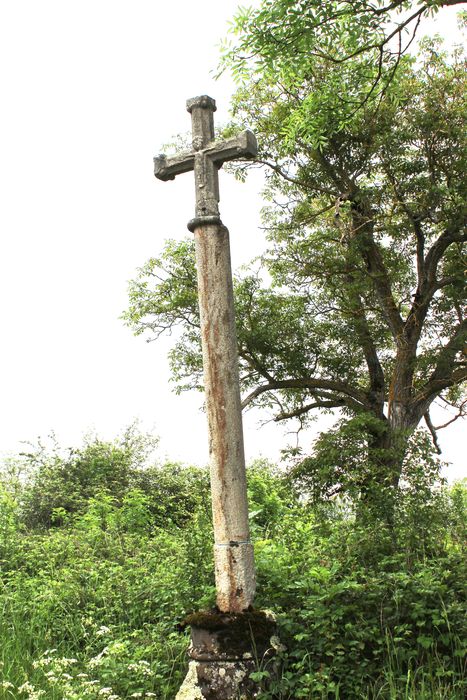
89	610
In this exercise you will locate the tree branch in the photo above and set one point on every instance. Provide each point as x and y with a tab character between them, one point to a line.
432	430
363	225
285	415
446	372
371	254
295	181
437	250
351	396
461	414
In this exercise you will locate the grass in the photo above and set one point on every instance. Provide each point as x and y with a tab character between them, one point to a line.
88	611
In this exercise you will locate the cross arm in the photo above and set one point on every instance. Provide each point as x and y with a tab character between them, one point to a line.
167	168
244	145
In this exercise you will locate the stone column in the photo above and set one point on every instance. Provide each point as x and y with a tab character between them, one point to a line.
233	552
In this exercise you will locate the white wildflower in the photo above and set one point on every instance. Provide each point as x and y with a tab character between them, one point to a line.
32	693
102	630
26	688
96	660
143	667
66	662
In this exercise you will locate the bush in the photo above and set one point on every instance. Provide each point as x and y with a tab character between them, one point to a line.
91	605
62	483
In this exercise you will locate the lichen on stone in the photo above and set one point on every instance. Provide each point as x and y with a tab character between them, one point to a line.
189	689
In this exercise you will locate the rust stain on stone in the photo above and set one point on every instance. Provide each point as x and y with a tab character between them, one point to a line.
230	514
233	597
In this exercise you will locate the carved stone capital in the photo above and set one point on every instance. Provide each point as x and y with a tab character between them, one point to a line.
203	101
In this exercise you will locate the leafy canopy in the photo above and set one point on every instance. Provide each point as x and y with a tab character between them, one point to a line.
358	302
289	41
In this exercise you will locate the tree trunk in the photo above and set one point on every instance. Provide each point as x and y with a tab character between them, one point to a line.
387	448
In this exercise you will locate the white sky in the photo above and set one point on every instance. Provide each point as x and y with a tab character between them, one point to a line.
90	89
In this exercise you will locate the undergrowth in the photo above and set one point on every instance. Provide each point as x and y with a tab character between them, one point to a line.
91	596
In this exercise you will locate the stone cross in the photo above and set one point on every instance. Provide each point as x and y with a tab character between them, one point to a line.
233	551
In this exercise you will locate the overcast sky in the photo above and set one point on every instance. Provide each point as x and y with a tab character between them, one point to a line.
90	90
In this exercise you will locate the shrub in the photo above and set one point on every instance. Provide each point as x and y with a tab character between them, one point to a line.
90	607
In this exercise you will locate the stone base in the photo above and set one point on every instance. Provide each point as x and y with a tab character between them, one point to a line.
216	680
225	649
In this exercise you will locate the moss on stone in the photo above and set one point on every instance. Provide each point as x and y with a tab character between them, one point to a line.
239	633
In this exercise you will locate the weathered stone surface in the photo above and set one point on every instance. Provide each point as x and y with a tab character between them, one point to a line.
231	636
225	650
235	575
217	681
206	157
233	552
190	690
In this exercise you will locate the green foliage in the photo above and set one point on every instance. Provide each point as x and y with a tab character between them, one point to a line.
8	522
339	463
91	596
62	481
63	484
359	619
163	294
356	307
352	51
270	497
173	492
90	608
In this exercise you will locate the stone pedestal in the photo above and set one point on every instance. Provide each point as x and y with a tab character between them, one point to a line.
225	649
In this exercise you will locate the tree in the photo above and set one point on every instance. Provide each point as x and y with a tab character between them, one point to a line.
364	168
279	38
